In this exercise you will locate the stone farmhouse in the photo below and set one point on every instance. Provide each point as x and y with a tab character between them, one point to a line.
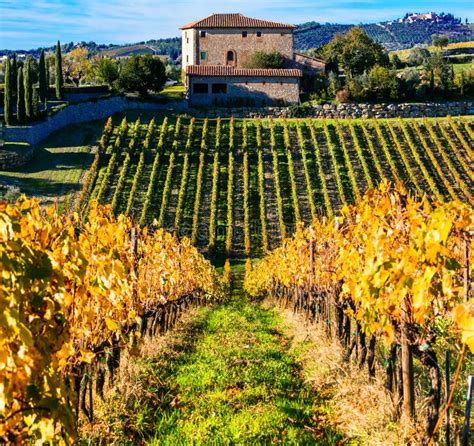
214	56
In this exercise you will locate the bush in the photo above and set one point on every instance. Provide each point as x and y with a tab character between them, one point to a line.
382	84
261	59
342	96
141	74
106	70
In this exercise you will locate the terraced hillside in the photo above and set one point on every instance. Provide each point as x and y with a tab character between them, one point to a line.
238	187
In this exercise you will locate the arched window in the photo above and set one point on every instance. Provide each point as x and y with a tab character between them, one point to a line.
230	57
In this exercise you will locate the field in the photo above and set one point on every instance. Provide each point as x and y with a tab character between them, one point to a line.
237	188
269	351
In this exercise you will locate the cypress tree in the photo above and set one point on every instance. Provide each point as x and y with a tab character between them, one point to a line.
59	73
36	103
28	88
8	97
43	87
47	71
20	97
14	74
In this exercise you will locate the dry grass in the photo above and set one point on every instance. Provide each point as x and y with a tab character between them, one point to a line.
119	411
361	407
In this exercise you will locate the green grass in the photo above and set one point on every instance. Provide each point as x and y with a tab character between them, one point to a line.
231	381
57	164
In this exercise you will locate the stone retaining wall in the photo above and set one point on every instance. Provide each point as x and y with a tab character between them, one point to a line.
101	108
83	112
10	159
409	110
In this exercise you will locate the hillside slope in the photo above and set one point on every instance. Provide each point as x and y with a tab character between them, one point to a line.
392	35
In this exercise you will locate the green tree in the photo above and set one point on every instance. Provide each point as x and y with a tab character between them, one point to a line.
356	52
14	74
106	70
438	70
396	62
8	96
59	82
262	59
440	41
42	78
382	84
28	88
142	73
20	97
35	103
418	56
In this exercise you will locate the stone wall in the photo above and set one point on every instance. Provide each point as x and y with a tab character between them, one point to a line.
431	109
346	111
251	90
218	42
102	108
12	157
83	112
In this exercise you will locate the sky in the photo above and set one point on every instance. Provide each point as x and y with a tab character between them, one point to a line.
26	24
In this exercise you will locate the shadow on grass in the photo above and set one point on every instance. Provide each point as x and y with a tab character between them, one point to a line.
39	186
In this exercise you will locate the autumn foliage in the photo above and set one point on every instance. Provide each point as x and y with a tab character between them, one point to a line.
69	289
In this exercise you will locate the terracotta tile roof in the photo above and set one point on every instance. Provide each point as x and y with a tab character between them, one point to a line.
222	70
234	21
305	56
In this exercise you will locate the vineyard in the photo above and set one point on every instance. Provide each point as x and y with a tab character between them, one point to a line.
116	324
237	188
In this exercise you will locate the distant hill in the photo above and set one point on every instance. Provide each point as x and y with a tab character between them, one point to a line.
413	29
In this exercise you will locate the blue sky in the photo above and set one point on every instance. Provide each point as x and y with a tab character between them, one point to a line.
29	24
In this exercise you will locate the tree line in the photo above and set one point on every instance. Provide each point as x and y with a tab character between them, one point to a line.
360	69
27	87
28	83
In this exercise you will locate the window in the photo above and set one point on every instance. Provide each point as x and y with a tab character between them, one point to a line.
200	88
259	33
203	34
187	58
187	39
230	56
244	34
203	55
219	88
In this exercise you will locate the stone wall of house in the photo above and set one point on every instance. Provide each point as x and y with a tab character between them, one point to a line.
83	112
218	42
256	91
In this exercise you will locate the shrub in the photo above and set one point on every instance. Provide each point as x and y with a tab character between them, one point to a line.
141	74
262	59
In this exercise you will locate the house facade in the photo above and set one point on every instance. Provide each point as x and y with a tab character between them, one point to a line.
216	50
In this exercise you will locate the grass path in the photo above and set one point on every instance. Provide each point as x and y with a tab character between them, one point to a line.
237	384
228	377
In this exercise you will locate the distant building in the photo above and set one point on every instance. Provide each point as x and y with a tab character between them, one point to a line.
214	56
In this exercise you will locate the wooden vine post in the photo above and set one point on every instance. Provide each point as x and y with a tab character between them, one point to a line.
467	278
408	407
